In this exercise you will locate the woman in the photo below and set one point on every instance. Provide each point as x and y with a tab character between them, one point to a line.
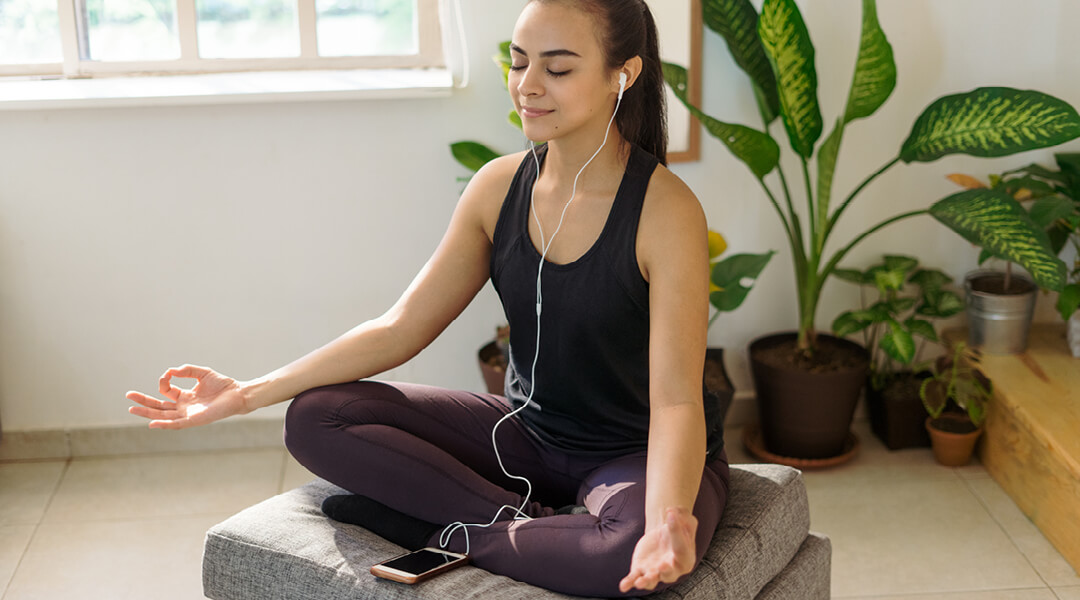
620	445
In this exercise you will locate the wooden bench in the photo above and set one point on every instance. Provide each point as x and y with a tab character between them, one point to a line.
1031	445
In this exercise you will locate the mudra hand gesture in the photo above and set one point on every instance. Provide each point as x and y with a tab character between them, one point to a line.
663	554
213	398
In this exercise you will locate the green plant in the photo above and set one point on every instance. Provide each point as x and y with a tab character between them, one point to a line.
955	378
731	278
775	51
1052	199
908	297
473	155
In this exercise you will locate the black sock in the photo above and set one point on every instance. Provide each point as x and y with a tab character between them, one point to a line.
405	531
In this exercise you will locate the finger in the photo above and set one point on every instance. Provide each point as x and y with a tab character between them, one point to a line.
165	385
153	414
627	583
149	401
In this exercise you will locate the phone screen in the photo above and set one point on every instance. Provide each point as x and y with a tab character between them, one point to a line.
420	561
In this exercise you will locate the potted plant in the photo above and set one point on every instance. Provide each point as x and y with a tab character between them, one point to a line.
1052	199
809	415
730	280
956	384
908	297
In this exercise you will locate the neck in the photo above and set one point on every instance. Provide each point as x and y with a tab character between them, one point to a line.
566	157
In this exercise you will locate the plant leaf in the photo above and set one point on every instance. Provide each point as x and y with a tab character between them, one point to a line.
921	328
934	395
751	146
826	162
990	121
1046	211
899	305
905	264
875	69
729	274
787	45
929	279
472	155
514	118
504	61
940	304
849	275
847	324
898	343
886	280
997	223
1069	300
717	244
984	255
965	181
737	22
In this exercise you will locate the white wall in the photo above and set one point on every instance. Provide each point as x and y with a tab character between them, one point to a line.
243	236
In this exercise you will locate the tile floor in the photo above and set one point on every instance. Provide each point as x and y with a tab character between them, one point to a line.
132	527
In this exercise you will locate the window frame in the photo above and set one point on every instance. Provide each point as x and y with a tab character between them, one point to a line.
429	55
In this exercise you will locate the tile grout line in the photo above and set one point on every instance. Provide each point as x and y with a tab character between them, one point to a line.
1012	541
33	534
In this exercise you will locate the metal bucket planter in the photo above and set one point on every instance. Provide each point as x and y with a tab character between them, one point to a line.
999	319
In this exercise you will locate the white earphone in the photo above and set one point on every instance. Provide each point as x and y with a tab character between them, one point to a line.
622	83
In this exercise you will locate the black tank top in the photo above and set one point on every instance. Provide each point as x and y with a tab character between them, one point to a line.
592	377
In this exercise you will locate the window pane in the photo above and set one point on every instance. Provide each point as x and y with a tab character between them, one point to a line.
248	28
29	32
366	27
132	29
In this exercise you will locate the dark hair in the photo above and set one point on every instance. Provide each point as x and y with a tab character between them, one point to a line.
628	30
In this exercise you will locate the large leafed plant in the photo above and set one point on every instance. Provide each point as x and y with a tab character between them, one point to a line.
774	49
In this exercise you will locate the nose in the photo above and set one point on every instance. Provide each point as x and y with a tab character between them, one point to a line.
529	82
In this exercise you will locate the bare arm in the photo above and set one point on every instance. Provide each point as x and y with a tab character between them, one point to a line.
440	292
673	249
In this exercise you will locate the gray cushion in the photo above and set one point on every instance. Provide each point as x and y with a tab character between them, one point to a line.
286	548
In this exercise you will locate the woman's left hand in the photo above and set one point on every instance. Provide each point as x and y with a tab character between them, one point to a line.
663	554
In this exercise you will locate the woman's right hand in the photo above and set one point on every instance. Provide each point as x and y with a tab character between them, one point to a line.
213	398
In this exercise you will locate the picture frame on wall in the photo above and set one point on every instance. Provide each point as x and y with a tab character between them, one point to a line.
680	30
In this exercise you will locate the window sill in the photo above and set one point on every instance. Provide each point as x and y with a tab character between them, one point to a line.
224	88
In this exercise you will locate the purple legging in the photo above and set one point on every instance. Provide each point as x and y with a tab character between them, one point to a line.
427	452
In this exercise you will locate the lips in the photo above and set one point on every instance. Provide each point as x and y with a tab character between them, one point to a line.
533	113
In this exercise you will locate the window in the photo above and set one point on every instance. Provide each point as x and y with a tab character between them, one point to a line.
88	38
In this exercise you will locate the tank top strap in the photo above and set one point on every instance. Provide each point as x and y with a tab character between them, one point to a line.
620	247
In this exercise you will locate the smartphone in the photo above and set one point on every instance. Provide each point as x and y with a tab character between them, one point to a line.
417	566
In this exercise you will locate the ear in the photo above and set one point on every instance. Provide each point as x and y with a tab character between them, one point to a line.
632	68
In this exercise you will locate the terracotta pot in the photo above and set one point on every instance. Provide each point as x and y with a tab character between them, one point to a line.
806	414
952	449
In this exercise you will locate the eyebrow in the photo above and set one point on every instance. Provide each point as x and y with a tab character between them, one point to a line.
546	53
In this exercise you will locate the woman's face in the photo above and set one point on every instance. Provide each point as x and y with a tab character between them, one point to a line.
558	80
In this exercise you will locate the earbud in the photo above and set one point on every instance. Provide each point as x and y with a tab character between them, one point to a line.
622	84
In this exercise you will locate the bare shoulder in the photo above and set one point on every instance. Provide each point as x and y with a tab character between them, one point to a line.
670	206
484	195
672	226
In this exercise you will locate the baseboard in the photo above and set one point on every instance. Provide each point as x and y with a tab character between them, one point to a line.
55	444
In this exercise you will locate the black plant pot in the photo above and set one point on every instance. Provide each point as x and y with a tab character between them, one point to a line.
897	415
717	381
807	414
